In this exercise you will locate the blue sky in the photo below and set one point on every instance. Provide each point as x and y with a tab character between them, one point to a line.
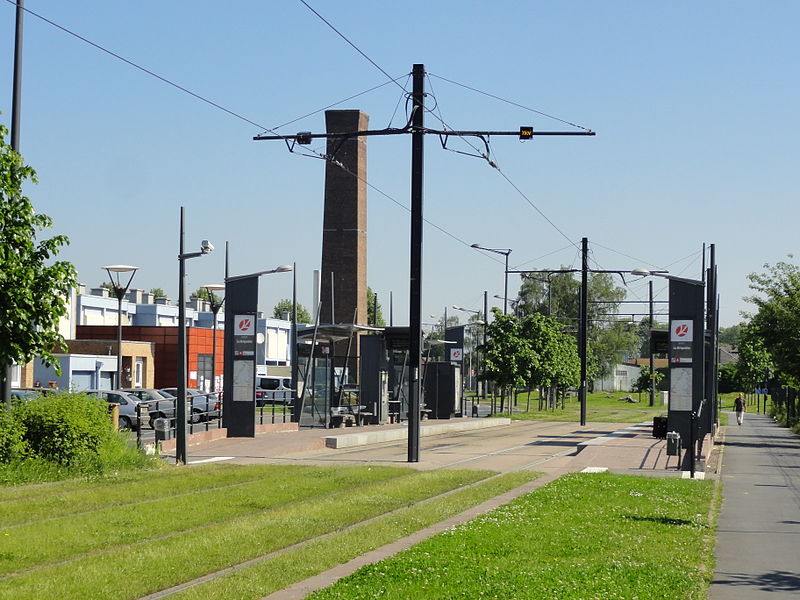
694	105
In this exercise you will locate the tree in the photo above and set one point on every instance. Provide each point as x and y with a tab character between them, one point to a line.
643	382
553	360
560	298
203	294
107	285
755	360
374	310
730	335
158	292
35	288
506	353
777	320
285	306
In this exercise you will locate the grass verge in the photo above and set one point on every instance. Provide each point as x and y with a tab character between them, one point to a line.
123	570
319	555
582	536
601	407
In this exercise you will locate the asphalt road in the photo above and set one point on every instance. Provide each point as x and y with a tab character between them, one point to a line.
758	539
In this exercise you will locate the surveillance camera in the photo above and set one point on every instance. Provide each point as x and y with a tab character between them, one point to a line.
206	247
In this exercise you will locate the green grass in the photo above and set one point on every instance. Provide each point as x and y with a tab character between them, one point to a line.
114	548
295	565
601	407
581	537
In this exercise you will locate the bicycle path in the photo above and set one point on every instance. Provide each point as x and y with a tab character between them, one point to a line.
758	535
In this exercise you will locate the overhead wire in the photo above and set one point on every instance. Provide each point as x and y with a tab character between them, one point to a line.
511	102
486	155
141	68
344	37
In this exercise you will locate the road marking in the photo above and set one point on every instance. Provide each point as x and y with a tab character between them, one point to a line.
213	459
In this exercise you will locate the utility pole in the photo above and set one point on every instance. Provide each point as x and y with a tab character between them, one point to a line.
415	303
584	325
650	344
416	128
16	101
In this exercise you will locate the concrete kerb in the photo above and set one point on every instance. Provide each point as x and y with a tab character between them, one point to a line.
378	436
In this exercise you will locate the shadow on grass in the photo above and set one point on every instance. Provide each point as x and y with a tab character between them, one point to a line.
772	581
660	520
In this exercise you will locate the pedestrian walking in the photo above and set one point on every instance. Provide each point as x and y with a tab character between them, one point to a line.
738	406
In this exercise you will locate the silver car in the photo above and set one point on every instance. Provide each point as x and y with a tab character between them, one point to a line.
132	410
160	404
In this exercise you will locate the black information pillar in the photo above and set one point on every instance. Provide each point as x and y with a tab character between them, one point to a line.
239	397
686	359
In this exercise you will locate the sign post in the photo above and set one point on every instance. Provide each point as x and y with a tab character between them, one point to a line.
686	362
239	394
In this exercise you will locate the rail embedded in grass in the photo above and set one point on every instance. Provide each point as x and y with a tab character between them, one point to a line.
146	567
49	540
582	536
285	568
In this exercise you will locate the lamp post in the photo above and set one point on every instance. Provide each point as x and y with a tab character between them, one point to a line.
216	304
483	322
119	291
505	252
180	425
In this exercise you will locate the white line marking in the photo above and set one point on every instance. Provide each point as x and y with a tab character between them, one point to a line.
213	459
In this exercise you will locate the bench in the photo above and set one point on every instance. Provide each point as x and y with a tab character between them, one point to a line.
348	415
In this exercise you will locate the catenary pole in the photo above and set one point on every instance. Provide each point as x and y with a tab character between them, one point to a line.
584	325
415	295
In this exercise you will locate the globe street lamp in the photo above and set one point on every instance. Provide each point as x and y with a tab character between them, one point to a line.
180	413
216	303
505	252
119	291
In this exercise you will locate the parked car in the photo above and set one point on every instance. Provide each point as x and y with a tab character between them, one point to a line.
205	405
161	404
132	411
23	394
272	389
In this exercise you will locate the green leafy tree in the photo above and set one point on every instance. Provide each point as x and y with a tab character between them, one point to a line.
553	361
643	382
285	306
158	292
507	354
777	320
560	298
730	335
203	294
35	288
374	310
754	360
728	376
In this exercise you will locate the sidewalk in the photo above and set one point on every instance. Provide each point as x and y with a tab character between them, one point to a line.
758	535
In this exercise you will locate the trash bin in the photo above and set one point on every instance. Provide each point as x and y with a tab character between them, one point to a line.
673	443
660	427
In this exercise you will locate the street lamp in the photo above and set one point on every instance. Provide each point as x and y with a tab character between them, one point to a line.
216	304
484	322
505	252
119	291
180	425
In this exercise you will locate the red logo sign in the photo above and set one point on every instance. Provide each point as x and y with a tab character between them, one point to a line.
245	325
681	330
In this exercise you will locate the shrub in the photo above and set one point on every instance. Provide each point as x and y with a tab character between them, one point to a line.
65	428
13	444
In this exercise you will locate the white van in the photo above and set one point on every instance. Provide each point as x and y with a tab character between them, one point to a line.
272	389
